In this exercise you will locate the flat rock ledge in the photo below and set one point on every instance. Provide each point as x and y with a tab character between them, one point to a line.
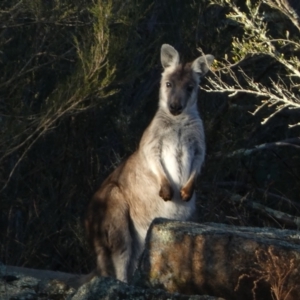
221	260
111	289
30	284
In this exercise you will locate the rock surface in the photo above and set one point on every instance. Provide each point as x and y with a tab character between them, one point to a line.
182	259
111	289
29	284
220	260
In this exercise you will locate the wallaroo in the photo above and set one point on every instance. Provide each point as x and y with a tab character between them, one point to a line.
158	179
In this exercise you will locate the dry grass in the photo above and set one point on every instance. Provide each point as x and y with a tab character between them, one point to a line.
272	268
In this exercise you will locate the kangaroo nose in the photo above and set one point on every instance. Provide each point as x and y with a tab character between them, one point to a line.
175	109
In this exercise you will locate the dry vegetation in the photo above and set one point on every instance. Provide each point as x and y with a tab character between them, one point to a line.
271	269
78	85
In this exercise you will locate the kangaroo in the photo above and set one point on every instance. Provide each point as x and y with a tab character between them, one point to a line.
158	179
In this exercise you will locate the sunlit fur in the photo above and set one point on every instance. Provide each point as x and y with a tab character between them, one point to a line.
158	179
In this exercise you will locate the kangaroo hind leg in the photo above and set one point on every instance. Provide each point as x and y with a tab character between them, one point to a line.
107	225
114	252
119	240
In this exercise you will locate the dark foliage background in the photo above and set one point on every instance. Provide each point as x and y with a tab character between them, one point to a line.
78	85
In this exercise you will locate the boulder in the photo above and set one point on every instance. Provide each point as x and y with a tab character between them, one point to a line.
182	261
221	260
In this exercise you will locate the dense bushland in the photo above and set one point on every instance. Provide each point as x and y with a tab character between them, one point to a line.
79	83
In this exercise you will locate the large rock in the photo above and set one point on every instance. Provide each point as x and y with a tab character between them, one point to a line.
225	261
182	259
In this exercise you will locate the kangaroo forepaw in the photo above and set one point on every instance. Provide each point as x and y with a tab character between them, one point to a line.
186	194
166	192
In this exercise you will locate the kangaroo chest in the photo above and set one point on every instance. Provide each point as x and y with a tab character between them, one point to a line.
179	144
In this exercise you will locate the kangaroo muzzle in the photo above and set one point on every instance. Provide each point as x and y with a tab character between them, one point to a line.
175	107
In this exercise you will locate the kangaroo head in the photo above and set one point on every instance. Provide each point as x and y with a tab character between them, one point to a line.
179	83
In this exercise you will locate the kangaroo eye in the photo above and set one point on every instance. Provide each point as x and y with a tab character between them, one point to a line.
190	88
168	84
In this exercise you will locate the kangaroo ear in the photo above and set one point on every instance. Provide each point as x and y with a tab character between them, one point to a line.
201	64
168	56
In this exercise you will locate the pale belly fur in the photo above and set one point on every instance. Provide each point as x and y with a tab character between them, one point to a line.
176	159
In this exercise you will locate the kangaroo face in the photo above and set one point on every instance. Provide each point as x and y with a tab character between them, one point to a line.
179	84
178	88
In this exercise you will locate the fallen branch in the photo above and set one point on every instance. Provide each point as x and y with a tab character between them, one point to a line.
293	142
278	215
236	185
